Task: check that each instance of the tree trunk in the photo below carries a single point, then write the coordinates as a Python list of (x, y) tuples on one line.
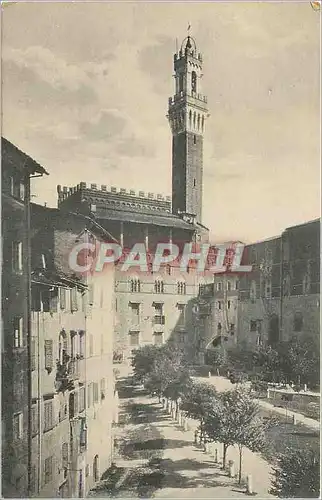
[(240, 463), (224, 456)]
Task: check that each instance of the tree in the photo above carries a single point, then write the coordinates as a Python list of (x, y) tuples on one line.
[(198, 401), (143, 361), (217, 358), (297, 475), (236, 421)]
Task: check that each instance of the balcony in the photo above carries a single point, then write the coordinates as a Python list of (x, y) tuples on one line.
[(67, 371), (73, 369), (158, 320)]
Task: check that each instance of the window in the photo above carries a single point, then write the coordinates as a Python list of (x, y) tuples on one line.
[(18, 332), (82, 344), (17, 426), (193, 81), (64, 455), (135, 313), (219, 286), (48, 469), (62, 298), (102, 388), (17, 256), (159, 286), (219, 328), (181, 82), (232, 329), (34, 420), (82, 399), (73, 300), (168, 269), (228, 304), (219, 304), (298, 322), (228, 286), (182, 310), (195, 142), (134, 338), (89, 395), (95, 392), (22, 191), (181, 288), (236, 285), (48, 415), (48, 355), (194, 183), (159, 318), (253, 326), (135, 285), (158, 338)]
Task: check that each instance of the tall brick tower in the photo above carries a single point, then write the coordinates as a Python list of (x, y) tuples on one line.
[(187, 115)]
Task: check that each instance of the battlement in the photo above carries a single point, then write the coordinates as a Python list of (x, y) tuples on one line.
[(65, 192)]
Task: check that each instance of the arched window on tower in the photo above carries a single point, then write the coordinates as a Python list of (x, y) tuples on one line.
[(194, 120), (193, 82), (181, 83), (190, 118)]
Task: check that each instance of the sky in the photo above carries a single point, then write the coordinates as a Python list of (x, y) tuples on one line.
[(86, 87)]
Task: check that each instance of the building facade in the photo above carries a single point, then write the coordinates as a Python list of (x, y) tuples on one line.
[(72, 369), (17, 170), (280, 297)]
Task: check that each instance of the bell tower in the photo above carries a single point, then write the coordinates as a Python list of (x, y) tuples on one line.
[(187, 115)]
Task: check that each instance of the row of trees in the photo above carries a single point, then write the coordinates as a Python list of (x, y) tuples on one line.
[(296, 360), (231, 418)]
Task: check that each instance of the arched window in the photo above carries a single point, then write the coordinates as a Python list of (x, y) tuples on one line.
[(198, 122), (95, 468), (190, 118), (194, 120), (181, 83), (202, 123), (193, 82), (228, 286), (135, 285), (181, 288), (159, 286)]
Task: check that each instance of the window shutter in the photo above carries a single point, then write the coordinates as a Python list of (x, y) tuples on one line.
[(53, 300), (75, 403), (73, 298), (64, 452), (48, 354), (62, 298)]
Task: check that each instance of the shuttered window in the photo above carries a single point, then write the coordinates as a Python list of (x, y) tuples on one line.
[(48, 472), (62, 298), (48, 354), (82, 399), (64, 455), (48, 415), (73, 300)]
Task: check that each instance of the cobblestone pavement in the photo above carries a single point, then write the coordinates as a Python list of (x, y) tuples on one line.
[(157, 458)]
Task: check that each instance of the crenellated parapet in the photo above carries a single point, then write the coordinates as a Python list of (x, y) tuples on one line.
[(118, 198)]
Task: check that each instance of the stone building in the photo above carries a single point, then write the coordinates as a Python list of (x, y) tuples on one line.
[(280, 297), (17, 170), (150, 307), (72, 372)]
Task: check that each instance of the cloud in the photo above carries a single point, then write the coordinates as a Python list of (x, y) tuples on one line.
[(108, 125), (43, 76)]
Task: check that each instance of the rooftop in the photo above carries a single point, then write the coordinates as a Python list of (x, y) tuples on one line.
[(8, 150)]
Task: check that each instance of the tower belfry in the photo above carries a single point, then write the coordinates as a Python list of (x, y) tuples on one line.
[(187, 115)]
